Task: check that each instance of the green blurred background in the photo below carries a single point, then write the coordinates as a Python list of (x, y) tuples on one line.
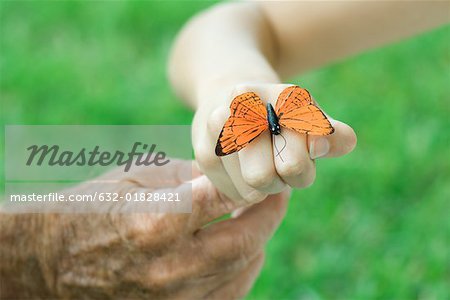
[(375, 225)]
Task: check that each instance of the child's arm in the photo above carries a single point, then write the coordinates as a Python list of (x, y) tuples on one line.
[(238, 47), (311, 34)]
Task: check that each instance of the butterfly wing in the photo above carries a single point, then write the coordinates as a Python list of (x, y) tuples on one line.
[(247, 121), (296, 111)]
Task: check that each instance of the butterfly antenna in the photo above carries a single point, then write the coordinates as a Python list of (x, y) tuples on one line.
[(279, 151)]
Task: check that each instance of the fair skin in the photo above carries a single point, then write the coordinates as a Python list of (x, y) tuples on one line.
[(240, 47), (227, 50), (139, 255)]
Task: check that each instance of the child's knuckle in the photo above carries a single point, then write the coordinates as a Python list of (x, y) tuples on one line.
[(292, 167), (214, 122), (307, 180), (205, 159), (258, 179)]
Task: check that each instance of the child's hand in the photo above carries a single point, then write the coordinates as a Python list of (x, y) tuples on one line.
[(255, 171)]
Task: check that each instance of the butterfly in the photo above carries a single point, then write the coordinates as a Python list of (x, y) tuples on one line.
[(249, 118)]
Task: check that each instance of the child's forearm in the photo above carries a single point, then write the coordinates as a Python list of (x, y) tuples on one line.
[(226, 45), (260, 42), (311, 34)]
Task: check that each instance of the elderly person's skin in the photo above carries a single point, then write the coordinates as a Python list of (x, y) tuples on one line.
[(238, 47), (139, 255)]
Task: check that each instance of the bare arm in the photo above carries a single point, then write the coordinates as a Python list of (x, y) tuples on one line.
[(265, 41), (226, 45), (234, 48), (311, 34)]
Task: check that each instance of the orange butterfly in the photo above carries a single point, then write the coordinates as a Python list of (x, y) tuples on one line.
[(249, 118)]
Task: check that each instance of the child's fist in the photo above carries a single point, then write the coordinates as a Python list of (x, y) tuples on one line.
[(255, 171)]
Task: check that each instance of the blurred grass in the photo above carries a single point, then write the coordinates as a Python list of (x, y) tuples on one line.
[(375, 225)]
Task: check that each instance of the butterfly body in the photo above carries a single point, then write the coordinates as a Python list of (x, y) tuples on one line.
[(249, 118), (272, 119)]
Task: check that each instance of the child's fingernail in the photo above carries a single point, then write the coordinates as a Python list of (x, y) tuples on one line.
[(319, 147)]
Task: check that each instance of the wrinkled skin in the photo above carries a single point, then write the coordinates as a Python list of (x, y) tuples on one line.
[(140, 255)]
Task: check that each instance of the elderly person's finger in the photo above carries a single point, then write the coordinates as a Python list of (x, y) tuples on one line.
[(232, 244), (237, 287), (170, 175), (229, 240), (208, 204)]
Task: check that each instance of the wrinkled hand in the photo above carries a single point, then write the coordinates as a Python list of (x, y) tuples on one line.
[(151, 256), (254, 172)]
